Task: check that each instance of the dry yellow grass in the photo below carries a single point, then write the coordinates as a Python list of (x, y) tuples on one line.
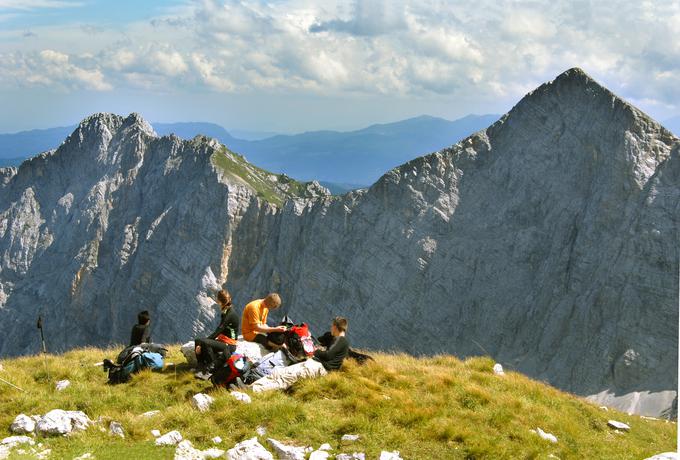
[(427, 408)]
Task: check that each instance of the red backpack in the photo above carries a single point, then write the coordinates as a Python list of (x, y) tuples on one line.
[(236, 366), (299, 341)]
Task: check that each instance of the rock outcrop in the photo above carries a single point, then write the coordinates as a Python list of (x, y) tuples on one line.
[(548, 240)]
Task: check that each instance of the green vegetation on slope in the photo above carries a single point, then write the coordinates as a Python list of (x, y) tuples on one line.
[(274, 188), (434, 408)]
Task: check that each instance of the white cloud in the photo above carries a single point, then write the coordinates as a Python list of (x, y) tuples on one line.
[(52, 69), (414, 48)]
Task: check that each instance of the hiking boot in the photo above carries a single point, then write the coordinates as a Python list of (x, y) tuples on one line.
[(203, 375)]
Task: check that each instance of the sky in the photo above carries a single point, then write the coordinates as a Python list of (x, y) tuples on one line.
[(299, 65)]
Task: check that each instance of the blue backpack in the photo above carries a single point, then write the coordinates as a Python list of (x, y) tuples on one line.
[(132, 360)]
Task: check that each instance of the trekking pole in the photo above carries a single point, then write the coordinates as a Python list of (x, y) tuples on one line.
[(44, 348), (12, 385)]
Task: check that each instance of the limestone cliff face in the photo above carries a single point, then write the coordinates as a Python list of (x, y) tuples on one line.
[(549, 240)]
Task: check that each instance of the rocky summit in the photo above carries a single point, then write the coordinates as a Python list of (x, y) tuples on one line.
[(548, 241)]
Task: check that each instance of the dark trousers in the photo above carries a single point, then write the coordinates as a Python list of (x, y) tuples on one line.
[(210, 348), (271, 341)]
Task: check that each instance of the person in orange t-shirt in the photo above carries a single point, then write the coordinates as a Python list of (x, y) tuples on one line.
[(254, 322)]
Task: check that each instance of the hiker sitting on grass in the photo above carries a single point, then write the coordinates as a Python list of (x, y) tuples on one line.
[(141, 332), (222, 340), (322, 362), (254, 323)]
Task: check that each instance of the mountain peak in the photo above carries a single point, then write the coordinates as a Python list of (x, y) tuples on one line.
[(112, 122)]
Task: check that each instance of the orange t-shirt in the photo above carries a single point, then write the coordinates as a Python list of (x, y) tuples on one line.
[(255, 313)]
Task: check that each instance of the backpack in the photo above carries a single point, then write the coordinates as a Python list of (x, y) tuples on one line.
[(149, 360), (299, 341), (144, 347), (235, 366), (130, 361), (265, 367)]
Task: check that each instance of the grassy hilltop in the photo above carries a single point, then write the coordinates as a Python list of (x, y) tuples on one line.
[(427, 408)]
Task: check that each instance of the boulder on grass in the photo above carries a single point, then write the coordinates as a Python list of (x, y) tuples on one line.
[(249, 449)]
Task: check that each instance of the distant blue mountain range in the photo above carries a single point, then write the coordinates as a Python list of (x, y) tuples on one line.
[(341, 160)]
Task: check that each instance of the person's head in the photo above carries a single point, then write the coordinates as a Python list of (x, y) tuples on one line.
[(143, 317), (272, 301), (339, 325), (224, 299)]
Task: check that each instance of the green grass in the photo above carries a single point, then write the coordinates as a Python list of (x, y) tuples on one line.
[(427, 408), (260, 180)]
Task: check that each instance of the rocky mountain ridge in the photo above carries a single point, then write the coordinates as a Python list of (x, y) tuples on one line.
[(548, 240)]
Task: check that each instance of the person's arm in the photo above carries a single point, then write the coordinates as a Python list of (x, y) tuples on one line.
[(339, 347), (264, 329), (146, 336), (217, 330)]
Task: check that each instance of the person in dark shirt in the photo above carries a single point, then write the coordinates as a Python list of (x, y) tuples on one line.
[(141, 332), (222, 340), (322, 362), (337, 346)]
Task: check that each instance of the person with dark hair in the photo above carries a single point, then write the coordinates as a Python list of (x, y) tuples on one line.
[(222, 340), (322, 362), (141, 332), (336, 348)]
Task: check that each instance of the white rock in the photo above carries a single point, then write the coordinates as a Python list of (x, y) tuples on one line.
[(385, 455), (618, 425), (202, 401), (84, 456), (45, 454), (665, 456), (261, 431), (151, 413), (240, 396), (249, 449), (547, 436), (186, 451), (169, 439), (213, 452), (284, 452), (155, 433), (116, 429), (350, 437), (325, 446), (189, 352), (4, 452), (62, 385), (217, 440), (319, 455), (14, 441), (353, 456), (209, 281), (498, 369), (22, 424), (60, 422)]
